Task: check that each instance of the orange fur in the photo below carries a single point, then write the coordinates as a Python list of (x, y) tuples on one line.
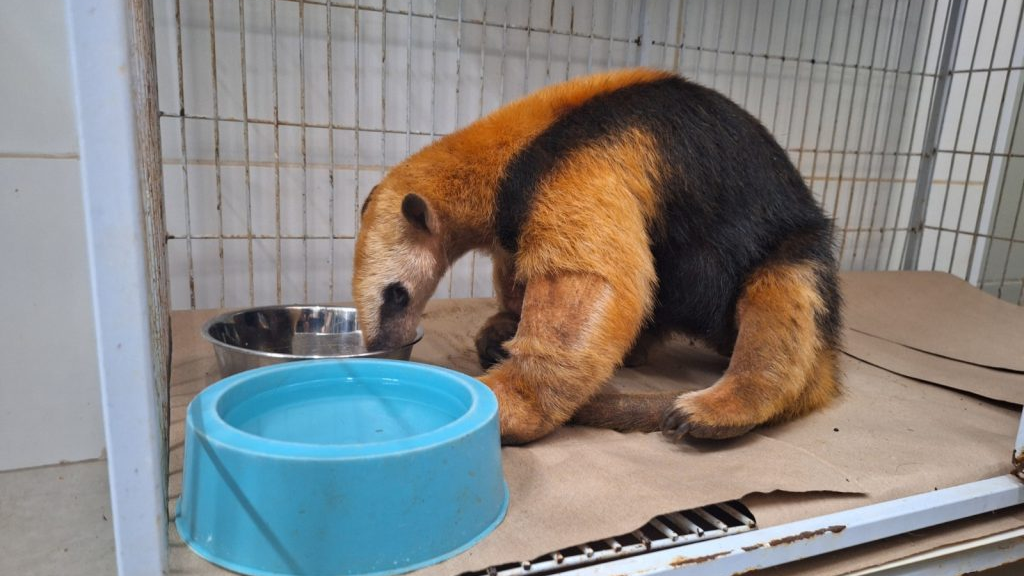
[(565, 252), (780, 368), (459, 174), (572, 336)]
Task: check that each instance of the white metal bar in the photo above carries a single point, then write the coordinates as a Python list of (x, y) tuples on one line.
[(640, 55), (277, 150), (668, 27), (668, 532), (777, 545), (356, 63), (482, 79), (859, 152), (685, 522), (590, 41), (926, 170), (956, 138), (885, 144), (304, 149), (1015, 211), (735, 51), (248, 155), (1002, 139), (611, 29), (1018, 448), (331, 153), (956, 559), (214, 89), (184, 156), (910, 142), (550, 35), (790, 139), (677, 60), (739, 516), (710, 519), (778, 91), (824, 90), (750, 60), (849, 113), (114, 236)]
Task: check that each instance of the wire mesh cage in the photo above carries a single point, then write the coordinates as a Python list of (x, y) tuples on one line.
[(278, 116)]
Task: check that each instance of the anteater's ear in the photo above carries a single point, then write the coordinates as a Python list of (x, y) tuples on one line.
[(418, 212)]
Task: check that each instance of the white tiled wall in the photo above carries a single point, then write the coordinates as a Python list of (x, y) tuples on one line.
[(49, 388)]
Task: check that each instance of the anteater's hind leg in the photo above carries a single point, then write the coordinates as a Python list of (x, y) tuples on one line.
[(783, 363)]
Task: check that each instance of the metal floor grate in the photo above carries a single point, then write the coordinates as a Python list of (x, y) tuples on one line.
[(666, 531)]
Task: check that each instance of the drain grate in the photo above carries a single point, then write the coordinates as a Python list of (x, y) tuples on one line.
[(665, 531)]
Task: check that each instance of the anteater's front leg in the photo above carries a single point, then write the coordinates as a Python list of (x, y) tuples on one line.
[(575, 330), (500, 328)]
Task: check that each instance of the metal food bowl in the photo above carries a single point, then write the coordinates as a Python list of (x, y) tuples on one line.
[(255, 337)]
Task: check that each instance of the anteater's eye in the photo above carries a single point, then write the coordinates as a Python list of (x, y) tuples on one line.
[(396, 297)]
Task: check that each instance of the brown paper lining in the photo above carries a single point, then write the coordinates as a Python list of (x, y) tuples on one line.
[(1001, 385), (887, 437), (936, 313)]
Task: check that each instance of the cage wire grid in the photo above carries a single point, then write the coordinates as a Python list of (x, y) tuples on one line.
[(278, 116)]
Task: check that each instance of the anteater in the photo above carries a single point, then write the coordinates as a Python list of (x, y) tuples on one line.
[(617, 208)]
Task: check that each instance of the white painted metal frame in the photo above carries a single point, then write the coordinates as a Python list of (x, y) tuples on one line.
[(956, 559), (101, 64), (823, 534), (806, 538)]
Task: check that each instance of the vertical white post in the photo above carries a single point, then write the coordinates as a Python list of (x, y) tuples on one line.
[(111, 178), (933, 132), (1018, 449)]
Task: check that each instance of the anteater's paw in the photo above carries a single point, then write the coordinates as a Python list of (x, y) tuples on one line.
[(692, 417), (520, 419), (518, 428), (490, 341)]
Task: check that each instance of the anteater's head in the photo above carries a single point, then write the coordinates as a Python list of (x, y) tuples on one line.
[(399, 260)]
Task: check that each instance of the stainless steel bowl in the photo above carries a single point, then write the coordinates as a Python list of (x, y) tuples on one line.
[(256, 337)]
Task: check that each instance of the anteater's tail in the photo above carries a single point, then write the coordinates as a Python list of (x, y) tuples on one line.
[(637, 412)]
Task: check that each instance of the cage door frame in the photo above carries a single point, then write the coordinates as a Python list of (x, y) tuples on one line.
[(113, 188)]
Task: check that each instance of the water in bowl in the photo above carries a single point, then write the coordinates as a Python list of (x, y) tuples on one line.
[(344, 412)]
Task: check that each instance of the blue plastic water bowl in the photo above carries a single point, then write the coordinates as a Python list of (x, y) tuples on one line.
[(340, 467)]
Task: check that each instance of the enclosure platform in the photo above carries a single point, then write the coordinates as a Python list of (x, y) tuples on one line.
[(889, 436)]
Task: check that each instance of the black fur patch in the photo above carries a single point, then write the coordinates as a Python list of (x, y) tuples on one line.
[(366, 202), (395, 300), (731, 200)]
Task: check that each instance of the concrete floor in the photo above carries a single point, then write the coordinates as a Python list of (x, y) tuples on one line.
[(54, 521)]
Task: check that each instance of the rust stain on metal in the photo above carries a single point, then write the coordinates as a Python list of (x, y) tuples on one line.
[(754, 547), (1018, 464), (683, 560), (806, 535)]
